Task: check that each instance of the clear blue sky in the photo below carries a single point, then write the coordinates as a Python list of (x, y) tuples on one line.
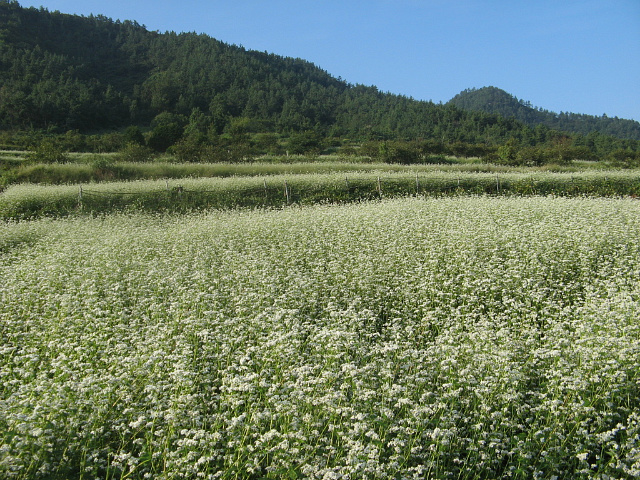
[(579, 56)]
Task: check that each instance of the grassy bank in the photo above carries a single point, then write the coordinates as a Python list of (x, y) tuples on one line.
[(85, 168), (28, 201)]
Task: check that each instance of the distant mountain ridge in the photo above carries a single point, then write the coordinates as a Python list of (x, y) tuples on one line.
[(496, 101)]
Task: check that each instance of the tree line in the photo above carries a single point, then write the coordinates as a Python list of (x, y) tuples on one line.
[(97, 84)]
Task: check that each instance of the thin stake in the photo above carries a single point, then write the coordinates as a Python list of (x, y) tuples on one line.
[(264, 181), (286, 191), (379, 188), (417, 184), (497, 183)]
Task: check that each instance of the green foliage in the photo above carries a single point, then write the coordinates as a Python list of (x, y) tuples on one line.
[(191, 149), (168, 128), (560, 152), (624, 158), (164, 135), (72, 141), (55, 174), (508, 153), (135, 152), (305, 143), (395, 152), (531, 157), (267, 143), (186, 85), (47, 152), (105, 168), (133, 135), (166, 118), (496, 101)]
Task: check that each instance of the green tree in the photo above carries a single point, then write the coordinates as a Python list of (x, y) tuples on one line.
[(133, 135), (167, 130), (135, 152), (197, 126), (47, 152), (508, 152), (531, 156), (267, 143), (163, 136), (624, 158), (189, 149), (398, 152), (305, 143)]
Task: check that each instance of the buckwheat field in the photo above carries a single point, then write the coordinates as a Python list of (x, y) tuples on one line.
[(463, 337)]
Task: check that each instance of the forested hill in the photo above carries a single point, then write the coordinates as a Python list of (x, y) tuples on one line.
[(495, 100), (92, 72), (62, 73)]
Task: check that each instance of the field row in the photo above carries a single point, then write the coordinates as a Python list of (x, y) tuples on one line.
[(83, 168), (30, 201), (484, 337)]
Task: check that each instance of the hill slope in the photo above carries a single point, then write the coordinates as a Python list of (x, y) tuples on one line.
[(61, 72), (497, 101), (91, 72)]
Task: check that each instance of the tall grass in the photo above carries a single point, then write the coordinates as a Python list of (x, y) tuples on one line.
[(106, 167), (27, 201), (467, 338), (88, 172), (109, 171)]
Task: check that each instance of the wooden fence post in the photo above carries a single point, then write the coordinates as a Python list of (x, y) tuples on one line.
[(286, 192), (379, 188)]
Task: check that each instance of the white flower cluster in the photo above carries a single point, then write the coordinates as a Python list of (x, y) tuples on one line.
[(414, 338)]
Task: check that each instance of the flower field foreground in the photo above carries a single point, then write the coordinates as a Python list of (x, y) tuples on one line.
[(462, 337)]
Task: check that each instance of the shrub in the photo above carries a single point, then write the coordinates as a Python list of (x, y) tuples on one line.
[(531, 156), (624, 158), (395, 152), (308, 142), (135, 152), (133, 135), (165, 135), (188, 150), (47, 152)]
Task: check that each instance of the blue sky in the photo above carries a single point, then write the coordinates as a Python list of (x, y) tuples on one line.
[(579, 56)]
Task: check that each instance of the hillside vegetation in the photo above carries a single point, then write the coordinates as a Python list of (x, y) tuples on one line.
[(497, 101), (95, 84)]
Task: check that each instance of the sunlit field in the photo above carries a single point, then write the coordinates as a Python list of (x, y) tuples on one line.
[(27, 201), (456, 337)]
